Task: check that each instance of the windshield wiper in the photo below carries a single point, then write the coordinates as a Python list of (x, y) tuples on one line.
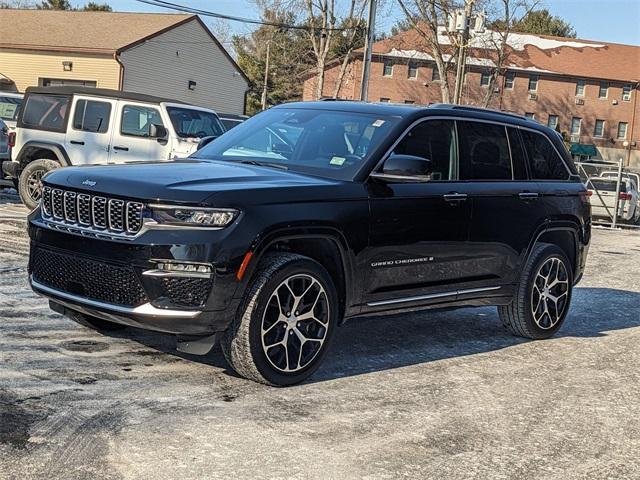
[(264, 164)]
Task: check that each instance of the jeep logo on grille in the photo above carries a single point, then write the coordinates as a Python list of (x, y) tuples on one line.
[(89, 183)]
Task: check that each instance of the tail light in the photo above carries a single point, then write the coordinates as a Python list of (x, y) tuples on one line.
[(11, 141), (624, 196)]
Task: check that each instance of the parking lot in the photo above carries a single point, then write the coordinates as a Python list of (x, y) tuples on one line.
[(422, 395)]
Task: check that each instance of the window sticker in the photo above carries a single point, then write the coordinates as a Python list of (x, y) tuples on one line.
[(378, 123), (337, 161)]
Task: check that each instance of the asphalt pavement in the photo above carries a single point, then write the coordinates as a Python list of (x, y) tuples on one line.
[(442, 395)]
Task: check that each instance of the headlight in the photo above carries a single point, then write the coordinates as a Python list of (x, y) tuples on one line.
[(192, 216)]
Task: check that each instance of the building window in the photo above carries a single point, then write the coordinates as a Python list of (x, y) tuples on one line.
[(412, 70), (409, 102), (552, 121), (484, 79), (604, 90), (622, 130), (387, 67), (575, 125), (580, 84), (533, 83), (58, 82), (435, 74), (598, 130), (626, 93), (530, 115), (384, 100), (509, 80)]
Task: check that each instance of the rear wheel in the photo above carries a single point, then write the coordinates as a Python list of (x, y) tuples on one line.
[(286, 323), (30, 181), (541, 302)]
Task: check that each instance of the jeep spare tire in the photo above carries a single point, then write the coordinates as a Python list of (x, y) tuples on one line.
[(30, 181)]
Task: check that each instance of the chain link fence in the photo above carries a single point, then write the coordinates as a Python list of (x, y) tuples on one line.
[(614, 193)]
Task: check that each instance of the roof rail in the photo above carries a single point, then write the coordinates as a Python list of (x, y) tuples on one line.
[(472, 108)]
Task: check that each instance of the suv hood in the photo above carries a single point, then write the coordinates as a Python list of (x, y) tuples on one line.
[(189, 181)]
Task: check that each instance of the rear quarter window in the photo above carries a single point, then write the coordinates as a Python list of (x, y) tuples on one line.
[(544, 161), (46, 112)]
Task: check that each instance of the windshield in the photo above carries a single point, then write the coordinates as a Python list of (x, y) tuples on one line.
[(190, 123), (9, 107), (334, 144)]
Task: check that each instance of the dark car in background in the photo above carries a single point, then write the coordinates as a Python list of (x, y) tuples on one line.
[(308, 214)]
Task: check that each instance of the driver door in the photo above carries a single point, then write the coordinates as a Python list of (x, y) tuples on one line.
[(418, 230)]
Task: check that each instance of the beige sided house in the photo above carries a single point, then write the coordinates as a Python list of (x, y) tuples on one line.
[(166, 55)]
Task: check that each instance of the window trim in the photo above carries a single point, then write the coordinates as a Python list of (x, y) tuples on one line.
[(579, 132), (626, 130), (595, 127), (455, 118), (415, 68), (628, 99), (139, 106), (384, 66), (584, 88), (513, 80), (557, 117), (607, 90), (75, 106), (485, 74), (531, 76), (435, 73)]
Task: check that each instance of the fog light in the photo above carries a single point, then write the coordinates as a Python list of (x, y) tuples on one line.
[(164, 268)]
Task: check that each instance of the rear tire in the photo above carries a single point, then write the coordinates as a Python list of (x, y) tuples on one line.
[(30, 181), (543, 295), (286, 322)]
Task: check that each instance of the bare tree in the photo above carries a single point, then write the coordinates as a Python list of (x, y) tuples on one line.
[(354, 22), (430, 18)]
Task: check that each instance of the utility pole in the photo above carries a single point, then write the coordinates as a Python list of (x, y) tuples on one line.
[(463, 37), (368, 48), (266, 77)]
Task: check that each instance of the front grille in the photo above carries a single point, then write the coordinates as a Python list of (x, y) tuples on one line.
[(93, 212), (185, 292), (88, 278)]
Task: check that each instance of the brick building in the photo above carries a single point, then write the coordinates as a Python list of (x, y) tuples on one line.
[(586, 89)]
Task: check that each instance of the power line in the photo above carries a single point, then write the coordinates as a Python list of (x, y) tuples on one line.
[(207, 13)]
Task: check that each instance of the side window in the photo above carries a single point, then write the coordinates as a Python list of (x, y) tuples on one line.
[(518, 158), (46, 112), (484, 151), (434, 140), (544, 161), (137, 120), (91, 116)]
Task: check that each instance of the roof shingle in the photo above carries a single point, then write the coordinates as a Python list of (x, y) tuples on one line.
[(104, 32)]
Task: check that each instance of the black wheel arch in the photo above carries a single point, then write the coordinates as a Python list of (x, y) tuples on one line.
[(34, 150), (326, 245), (564, 234)]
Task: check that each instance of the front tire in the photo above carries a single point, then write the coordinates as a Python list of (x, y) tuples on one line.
[(286, 322), (543, 295), (30, 181)]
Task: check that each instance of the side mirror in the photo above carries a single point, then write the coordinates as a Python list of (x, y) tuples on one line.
[(157, 131), (408, 168), (204, 141)]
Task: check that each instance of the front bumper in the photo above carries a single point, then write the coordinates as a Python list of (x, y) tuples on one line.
[(110, 280)]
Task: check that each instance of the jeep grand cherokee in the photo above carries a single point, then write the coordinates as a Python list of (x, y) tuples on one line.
[(308, 214)]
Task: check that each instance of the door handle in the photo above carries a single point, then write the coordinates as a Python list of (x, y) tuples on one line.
[(454, 197), (124, 149), (76, 142), (528, 195)]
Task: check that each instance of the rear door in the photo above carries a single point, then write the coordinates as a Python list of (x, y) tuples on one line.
[(507, 209), (131, 140), (88, 135)]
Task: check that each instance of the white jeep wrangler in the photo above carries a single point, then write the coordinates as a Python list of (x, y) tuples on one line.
[(61, 126)]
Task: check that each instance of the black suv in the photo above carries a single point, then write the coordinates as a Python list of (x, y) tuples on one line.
[(311, 213)]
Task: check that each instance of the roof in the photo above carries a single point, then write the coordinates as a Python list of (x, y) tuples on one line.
[(77, 31), (532, 53), (414, 111), (100, 92)]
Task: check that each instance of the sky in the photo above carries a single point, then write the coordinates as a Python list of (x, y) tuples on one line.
[(616, 21)]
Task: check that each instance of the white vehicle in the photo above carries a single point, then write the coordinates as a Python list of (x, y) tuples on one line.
[(9, 107), (61, 126), (634, 177), (602, 191)]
